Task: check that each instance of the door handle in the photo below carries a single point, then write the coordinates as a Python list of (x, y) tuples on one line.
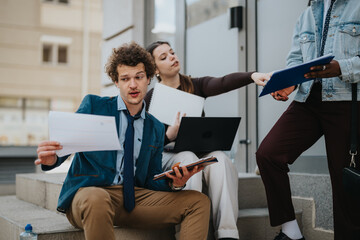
[(245, 141)]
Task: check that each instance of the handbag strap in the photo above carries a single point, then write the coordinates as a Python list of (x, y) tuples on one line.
[(354, 124)]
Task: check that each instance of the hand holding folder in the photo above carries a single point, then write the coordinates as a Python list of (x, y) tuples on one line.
[(201, 162), (292, 76)]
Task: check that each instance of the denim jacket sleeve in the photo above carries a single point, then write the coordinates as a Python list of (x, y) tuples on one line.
[(348, 39), (295, 55), (350, 69)]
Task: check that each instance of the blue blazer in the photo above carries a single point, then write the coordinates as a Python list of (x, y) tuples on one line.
[(98, 168)]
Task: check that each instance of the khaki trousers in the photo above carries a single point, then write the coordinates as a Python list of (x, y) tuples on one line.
[(97, 209)]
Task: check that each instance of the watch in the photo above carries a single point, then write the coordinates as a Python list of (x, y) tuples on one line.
[(176, 188)]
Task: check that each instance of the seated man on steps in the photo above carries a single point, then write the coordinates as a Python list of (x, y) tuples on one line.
[(115, 188)]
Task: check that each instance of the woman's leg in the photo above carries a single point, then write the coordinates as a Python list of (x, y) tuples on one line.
[(221, 179)]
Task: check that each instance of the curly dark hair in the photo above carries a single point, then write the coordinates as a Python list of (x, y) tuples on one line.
[(129, 55)]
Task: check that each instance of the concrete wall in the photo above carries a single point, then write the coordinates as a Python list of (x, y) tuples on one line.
[(123, 22), (23, 25), (29, 88), (276, 21)]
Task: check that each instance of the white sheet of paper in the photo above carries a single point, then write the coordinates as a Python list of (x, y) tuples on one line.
[(166, 102), (78, 132)]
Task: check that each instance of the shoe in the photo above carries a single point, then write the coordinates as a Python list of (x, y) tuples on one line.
[(282, 236), (228, 239)]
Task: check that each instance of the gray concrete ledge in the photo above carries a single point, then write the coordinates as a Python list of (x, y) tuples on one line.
[(318, 187), (49, 225)]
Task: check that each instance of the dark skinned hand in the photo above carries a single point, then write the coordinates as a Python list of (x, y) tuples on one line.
[(321, 71), (324, 71), (282, 95)]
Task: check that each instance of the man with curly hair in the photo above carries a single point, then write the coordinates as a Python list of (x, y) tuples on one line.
[(116, 188)]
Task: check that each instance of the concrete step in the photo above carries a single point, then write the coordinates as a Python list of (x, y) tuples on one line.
[(43, 189), (15, 214), (251, 191), (50, 225), (254, 223), (310, 231)]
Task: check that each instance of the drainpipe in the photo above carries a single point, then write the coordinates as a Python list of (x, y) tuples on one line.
[(85, 55)]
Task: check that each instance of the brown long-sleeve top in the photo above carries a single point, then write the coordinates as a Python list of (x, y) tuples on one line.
[(211, 86)]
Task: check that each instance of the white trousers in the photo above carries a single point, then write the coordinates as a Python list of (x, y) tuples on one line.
[(221, 180)]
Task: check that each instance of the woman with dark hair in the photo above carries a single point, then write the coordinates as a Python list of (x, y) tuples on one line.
[(221, 178)]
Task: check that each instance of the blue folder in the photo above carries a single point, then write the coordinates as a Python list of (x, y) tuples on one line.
[(292, 76)]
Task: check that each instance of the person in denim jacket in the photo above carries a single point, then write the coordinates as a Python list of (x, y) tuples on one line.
[(322, 107)]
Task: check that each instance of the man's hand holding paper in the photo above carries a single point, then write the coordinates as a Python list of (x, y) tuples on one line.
[(80, 133), (47, 153)]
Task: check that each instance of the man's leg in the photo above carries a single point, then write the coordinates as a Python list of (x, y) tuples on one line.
[(221, 179), (336, 122), (194, 183), (296, 130), (92, 211), (156, 209)]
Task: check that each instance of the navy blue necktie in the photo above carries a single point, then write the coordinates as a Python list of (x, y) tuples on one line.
[(324, 35), (129, 195)]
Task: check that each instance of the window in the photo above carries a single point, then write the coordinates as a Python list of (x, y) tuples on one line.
[(55, 50), (162, 25), (165, 20), (62, 54), (47, 55)]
